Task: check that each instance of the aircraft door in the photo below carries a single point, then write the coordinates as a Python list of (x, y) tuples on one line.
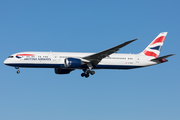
[(137, 60), (55, 58)]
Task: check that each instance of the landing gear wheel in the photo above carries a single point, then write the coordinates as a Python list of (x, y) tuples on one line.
[(83, 74), (88, 72), (18, 72), (86, 75), (92, 72)]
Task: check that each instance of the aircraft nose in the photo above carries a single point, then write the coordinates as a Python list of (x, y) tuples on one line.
[(5, 62)]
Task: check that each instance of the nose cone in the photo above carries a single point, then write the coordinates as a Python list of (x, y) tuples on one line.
[(5, 62)]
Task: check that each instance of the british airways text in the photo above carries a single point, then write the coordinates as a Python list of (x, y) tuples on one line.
[(46, 59)]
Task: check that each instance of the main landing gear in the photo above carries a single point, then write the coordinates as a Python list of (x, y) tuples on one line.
[(87, 72), (18, 71)]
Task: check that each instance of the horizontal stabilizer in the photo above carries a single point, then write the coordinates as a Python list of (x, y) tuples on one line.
[(162, 59)]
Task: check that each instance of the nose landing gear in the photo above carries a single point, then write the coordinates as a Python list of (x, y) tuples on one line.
[(18, 71)]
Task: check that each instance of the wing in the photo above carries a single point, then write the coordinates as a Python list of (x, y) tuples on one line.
[(94, 59)]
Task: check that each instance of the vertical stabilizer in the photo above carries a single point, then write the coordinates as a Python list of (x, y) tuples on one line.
[(154, 48)]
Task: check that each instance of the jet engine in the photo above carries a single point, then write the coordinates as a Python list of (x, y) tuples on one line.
[(72, 63), (62, 71)]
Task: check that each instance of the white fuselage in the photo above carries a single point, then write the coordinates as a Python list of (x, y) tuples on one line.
[(65, 62), (56, 60)]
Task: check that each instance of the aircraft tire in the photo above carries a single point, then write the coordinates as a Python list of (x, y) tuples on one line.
[(92, 72), (18, 72), (83, 74), (86, 75)]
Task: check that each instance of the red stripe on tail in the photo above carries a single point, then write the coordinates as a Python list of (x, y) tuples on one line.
[(159, 39), (148, 53)]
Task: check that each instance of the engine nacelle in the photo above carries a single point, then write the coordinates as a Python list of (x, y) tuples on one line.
[(62, 71), (72, 63)]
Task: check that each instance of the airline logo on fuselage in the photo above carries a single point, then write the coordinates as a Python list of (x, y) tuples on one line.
[(22, 55), (30, 57)]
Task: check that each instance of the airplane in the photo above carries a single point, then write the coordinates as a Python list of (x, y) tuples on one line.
[(66, 62)]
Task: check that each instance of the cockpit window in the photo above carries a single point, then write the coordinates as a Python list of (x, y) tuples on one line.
[(10, 57)]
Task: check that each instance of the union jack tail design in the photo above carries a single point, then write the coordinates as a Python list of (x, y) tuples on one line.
[(154, 48)]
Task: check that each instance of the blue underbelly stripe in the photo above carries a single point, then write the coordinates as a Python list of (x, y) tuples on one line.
[(62, 66)]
